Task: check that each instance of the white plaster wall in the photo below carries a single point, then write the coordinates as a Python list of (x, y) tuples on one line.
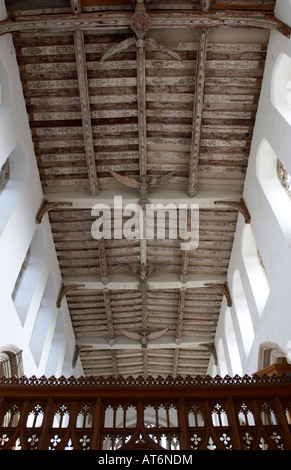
[(17, 231), (273, 322)]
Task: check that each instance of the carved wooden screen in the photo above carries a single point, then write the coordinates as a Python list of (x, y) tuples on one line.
[(194, 414)]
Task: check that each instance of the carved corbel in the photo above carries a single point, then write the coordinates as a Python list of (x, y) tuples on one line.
[(224, 289), (211, 348), (64, 290), (46, 207), (76, 355), (240, 206)]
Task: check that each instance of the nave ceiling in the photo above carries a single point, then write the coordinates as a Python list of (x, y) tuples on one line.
[(166, 95)]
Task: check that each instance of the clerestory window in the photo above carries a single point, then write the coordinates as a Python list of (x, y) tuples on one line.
[(284, 178), (4, 175)]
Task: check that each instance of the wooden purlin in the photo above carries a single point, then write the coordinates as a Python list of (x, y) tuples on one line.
[(85, 110), (197, 112)]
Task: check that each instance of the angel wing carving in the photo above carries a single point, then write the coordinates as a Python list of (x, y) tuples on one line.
[(126, 180), (140, 24), (131, 334), (157, 181), (151, 269), (143, 270), (144, 337), (142, 187), (121, 46), (157, 334)]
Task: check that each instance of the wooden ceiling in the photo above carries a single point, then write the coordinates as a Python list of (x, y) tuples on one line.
[(161, 90)]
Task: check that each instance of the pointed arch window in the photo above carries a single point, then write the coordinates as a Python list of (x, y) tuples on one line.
[(284, 177), (281, 86), (255, 268), (11, 364), (4, 175), (13, 177), (275, 182), (243, 318)]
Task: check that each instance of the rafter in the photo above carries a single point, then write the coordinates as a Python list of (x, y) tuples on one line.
[(197, 112), (85, 110)]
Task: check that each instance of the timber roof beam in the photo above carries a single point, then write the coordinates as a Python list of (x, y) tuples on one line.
[(104, 20)]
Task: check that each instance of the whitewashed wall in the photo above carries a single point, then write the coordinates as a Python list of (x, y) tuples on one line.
[(260, 314), (31, 322)]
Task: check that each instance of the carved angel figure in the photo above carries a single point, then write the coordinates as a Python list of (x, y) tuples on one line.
[(144, 337), (143, 187), (143, 270), (140, 24)]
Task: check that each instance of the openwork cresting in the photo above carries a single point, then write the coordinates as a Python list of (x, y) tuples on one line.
[(154, 413)]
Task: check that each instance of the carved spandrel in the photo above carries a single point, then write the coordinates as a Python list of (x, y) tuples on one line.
[(224, 289), (212, 349), (64, 290), (240, 206)]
